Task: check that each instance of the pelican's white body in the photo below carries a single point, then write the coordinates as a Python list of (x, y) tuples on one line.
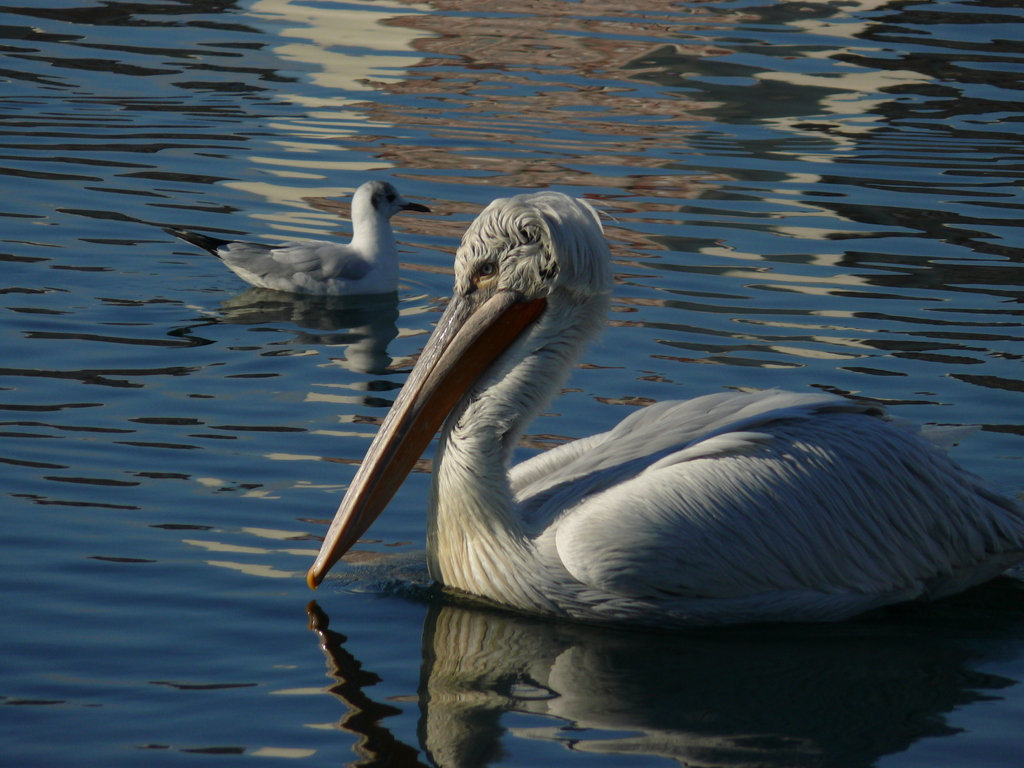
[(724, 509), (729, 508)]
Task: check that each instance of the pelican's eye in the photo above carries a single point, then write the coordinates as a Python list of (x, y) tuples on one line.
[(485, 273)]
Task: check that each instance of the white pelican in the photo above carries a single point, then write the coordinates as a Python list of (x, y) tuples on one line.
[(728, 508), (368, 264)]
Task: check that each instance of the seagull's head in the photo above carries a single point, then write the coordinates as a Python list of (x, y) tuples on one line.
[(380, 198)]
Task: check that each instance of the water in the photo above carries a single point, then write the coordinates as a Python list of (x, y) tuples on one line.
[(816, 196)]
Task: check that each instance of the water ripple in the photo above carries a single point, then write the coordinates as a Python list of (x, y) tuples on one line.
[(816, 196)]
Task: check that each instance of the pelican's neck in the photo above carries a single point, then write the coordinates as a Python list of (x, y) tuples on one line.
[(475, 536)]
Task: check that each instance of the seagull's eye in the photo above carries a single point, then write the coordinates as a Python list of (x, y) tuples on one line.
[(391, 198)]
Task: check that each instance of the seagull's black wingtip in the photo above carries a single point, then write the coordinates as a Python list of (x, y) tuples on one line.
[(210, 244)]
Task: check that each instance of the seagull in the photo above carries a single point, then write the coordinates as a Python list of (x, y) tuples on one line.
[(368, 264), (729, 508)]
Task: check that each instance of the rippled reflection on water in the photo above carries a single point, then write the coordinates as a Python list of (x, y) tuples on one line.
[(750, 697), (805, 195)]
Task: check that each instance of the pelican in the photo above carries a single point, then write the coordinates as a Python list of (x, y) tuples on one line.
[(368, 264), (729, 508)]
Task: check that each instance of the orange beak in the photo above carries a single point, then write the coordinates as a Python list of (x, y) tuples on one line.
[(468, 338)]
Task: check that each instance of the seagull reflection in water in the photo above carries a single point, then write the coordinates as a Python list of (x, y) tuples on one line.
[(370, 322), (770, 695)]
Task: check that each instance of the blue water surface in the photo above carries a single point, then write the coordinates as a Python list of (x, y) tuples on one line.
[(818, 196)]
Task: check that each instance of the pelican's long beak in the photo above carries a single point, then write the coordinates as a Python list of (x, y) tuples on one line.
[(466, 341)]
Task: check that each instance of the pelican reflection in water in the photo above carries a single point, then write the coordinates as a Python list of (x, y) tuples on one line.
[(810, 695), (730, 508)]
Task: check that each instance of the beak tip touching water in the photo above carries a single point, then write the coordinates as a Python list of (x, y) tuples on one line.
[(313, 578)]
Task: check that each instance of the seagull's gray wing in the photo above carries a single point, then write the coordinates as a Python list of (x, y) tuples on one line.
[(318, 259)]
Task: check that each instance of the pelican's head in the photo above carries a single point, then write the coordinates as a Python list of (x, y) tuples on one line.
[(532, 261), (534, 244), (380, 198)]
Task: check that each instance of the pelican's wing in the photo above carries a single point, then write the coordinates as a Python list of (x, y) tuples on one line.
[(558, 479), (810, 497)]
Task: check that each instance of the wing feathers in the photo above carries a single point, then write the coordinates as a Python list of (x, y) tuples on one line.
[(548, 483), (852, 504)]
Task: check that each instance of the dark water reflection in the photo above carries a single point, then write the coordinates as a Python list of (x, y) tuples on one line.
[(769, 696), (809, 195)]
